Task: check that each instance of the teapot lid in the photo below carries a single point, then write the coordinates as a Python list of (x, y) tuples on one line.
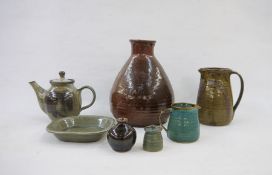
[(62, 79)]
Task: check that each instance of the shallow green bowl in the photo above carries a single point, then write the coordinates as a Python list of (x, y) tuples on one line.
[(83, 128)]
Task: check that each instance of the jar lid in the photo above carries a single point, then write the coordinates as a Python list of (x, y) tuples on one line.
[(153, 128), (122, 120), (62, 79)]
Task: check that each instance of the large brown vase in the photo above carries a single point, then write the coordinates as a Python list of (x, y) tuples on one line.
[(215, 96), (142, 89)]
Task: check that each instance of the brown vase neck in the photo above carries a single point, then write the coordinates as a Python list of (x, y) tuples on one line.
[(142, 47)]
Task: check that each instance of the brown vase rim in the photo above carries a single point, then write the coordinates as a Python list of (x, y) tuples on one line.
[(142, 41), (191, 107), (215, 69)]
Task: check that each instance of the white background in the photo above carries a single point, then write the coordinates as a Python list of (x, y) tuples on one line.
[(89, 40)]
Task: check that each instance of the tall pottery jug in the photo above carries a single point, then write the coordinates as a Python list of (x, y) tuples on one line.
[(215, 96), (142, 89)]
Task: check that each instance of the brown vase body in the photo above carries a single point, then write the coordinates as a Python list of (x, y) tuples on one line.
[(142, 89), (215, 96)]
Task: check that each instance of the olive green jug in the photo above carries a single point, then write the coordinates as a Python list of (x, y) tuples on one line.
[(215, 96)]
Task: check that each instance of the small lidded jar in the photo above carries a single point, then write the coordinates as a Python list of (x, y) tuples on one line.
[(122, 136), (153, 141)]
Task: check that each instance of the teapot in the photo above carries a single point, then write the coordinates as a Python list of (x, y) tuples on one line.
[(62, 99)]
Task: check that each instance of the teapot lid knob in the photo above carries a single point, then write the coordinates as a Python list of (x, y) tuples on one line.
[(62, 79), (62, 74)]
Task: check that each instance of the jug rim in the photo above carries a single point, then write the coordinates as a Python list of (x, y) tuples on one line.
[(184, 106), (222, 69)]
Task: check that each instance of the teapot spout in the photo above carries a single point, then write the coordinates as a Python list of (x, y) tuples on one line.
[(40, 93)]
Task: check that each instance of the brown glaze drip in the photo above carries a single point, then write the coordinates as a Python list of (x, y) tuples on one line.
[(142, 88)]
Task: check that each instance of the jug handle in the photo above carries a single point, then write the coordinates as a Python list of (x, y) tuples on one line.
[(94, 96), (241, 90), (163, 111)]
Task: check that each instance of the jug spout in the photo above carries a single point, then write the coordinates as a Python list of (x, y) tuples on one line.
[(40, 93)]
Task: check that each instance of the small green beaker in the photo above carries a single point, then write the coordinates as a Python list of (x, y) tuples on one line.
[(153, 139)]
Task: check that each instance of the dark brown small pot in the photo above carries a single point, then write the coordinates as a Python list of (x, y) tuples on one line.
[(122, 136)]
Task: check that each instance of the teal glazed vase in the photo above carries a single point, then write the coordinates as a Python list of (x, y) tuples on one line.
[(153, 141), (183, 125)]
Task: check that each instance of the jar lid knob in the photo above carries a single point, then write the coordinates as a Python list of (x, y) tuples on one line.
[(122, 120), (62, 74)]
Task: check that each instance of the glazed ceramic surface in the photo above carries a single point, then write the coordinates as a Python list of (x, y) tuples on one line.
[(183, 125), (215, 96), (122, 136), (62, 99), (85, 128), (142, 88), (153, 141)]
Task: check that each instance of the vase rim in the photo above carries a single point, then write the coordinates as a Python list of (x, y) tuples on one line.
[(142, 41)]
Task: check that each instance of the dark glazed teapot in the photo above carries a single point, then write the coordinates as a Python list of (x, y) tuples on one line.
[(62, 99)]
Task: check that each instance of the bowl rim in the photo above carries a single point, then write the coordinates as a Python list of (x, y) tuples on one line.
[(51, 129)]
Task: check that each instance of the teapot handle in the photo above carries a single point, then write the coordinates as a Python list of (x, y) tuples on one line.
[(162, 112), (241, 90), (94, 96)]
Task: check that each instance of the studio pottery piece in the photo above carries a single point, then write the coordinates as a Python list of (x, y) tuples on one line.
[(215, 96), (122, 136), (142, 88), (153, 141), (62, 99), (183, 125), (84, 128)]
